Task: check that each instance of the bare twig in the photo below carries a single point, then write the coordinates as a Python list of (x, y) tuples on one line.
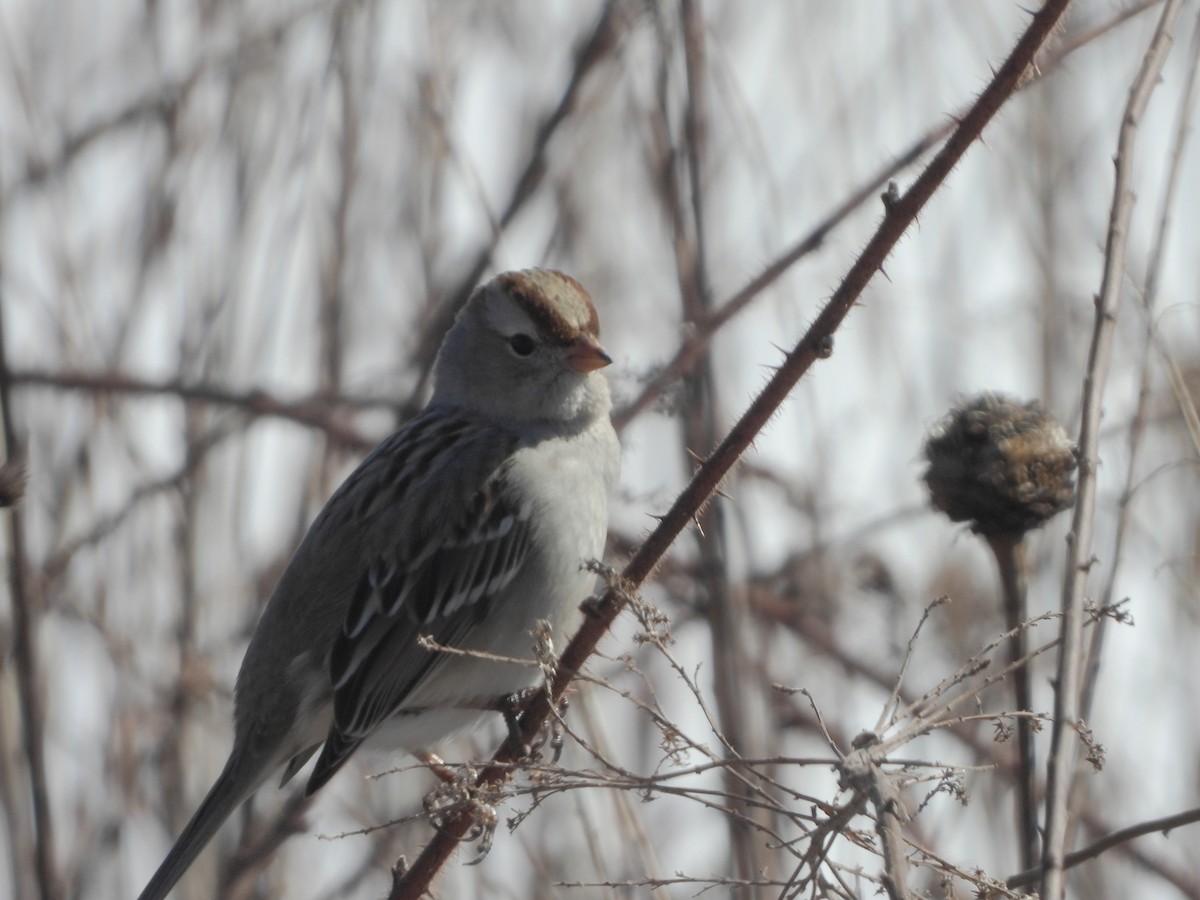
[(887, 714), (316, 412), (1066, 700), (631, 824), (1153, 339), (984, 747), (1163, 825), (862, 771)]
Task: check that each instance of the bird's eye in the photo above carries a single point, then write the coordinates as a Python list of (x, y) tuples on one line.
[(522, 344)]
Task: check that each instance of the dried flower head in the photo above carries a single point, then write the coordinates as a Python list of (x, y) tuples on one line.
[(1004, 466)]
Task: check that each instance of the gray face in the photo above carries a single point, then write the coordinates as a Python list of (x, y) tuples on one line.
[(511, 346)]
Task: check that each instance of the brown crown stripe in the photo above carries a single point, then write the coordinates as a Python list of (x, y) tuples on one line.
[(557, 303)]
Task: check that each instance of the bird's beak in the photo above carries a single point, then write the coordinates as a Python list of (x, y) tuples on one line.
[(586, 355)]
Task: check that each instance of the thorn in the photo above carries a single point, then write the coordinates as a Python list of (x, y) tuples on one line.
[(890, 197), (399, 870)]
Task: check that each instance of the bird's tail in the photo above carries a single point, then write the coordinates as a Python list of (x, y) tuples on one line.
[(226, 795)]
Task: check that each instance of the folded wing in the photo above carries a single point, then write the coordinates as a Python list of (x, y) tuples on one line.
[(449, 554)]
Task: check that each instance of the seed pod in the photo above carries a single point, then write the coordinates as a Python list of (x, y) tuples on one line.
[(1003, 466)]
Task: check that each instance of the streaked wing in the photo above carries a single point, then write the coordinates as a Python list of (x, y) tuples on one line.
[(438, 578)]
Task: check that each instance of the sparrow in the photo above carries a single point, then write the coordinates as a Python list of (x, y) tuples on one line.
[(470, 524)]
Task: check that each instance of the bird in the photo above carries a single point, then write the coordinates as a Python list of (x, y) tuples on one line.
[(472, 522)]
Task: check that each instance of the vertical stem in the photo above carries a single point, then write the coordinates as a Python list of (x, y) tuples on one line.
[(1010, 553), (725, 616), (1140, 420), (1066, 698), (885, 799), (25, 655)]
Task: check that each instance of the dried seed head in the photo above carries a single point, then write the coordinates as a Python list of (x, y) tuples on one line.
[(1003, 466)]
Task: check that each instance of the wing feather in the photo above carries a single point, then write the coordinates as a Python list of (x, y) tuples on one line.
[(436, 575)]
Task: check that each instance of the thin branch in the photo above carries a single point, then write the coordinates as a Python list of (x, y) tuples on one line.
[(197, 452), (162, 104), (817, 635), (1066, 700), (862, 771), (1109, 841), (315, 412), (25, 628), (1010, 553), (701, 334), (683, 195), (1140, 419)]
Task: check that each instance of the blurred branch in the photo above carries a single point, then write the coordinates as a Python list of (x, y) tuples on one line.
[(696, 344), (1012, 562), (591, 52), (1153, 339), (1116, 839), (698, 884), (1079, 558), (198, 449), (162, 104), (315, 412), (631, 825), (680, 169), (900, 213), (25, 628), (258, 847)]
